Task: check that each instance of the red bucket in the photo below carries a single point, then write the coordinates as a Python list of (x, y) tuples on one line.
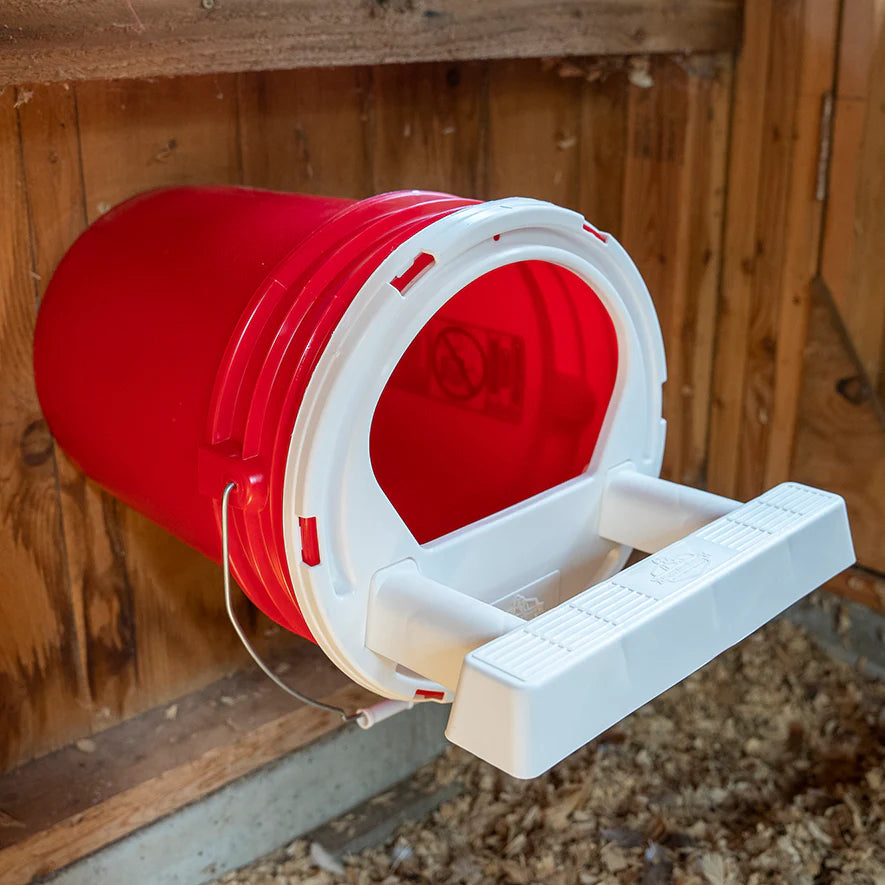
[(179, 335)]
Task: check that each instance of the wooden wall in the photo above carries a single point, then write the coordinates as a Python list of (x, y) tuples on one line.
[(840, 439), (102, 614)]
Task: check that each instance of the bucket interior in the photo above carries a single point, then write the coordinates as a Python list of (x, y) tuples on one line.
[(501, 396)]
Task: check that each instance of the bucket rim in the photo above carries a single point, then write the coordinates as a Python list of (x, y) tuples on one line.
[(329, 475)]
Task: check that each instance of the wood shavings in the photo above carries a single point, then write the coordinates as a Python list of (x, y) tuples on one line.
[(768, 766), (593, 70), (22, 97), (324, 860), (639, 73)]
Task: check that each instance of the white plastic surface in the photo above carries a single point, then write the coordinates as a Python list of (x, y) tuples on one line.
[(450, 617), (428, 627), (370, 716), (647, 513), (532, 696), (527, 558)]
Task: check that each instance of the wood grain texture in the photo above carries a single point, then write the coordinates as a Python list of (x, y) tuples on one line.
[(307, 131), (74, 801), (603, 146), (107, 39), (772, 241), (671, 226), (134, 136), (840, 440), (760, 339), (139, 135), (863, 307), (428, 128), (857, 43), (100, 593), (42, 677), (708, 141), (856, 192), (739, 259), (803, 220), (534, 129)]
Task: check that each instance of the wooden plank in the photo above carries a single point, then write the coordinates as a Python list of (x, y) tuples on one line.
[(428, 128), (863, 309), (740, 249), (862, 27), (861, 23), (708, 138), (42, 681), (760, 339), (603, 142), (72, 802), (655, 220), (51, 155), (306, 131), (772, 241), (534, 134), (672, 223), (108, 39), (803, 220), (175, 635), (840, 442), (51, 162), (138, 135), (102, 599)]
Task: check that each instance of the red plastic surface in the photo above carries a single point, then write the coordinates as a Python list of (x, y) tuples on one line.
[(175, 342), (500, 397), (310, 542), (177, 337)]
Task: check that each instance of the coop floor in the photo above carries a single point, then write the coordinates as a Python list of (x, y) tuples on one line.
[(766, 766)]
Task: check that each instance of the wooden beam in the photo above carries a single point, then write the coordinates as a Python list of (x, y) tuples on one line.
[(852, 259), (866, 293), (63, 806), (43, 690), (672, 228), (840, 440), (772, 238), (142, 38)]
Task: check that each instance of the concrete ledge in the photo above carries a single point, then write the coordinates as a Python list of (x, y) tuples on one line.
[(258, 813)]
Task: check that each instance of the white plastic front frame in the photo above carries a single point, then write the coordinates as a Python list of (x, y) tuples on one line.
[(329, 474)]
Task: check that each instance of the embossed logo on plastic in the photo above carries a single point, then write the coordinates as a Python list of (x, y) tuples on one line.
[(678, 568), (525, 606)]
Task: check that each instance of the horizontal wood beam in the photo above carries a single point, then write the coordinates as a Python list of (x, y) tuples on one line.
[(96, 39), (70, 803)]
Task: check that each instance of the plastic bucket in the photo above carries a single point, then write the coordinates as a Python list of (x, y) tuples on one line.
[(178, 337)]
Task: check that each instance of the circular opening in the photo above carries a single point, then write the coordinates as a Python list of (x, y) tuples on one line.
[(500, 397)]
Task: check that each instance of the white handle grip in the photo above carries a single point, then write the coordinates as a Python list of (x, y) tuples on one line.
[(528, 698)]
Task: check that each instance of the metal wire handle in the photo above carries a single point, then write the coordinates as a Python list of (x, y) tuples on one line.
[(225, 553)]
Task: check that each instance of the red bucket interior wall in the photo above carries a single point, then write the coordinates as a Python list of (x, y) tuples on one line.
[(500, 397)]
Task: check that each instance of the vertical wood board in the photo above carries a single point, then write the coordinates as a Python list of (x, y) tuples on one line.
[(42, 680)]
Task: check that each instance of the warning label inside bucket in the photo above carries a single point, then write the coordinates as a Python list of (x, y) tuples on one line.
[(468, 366)]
